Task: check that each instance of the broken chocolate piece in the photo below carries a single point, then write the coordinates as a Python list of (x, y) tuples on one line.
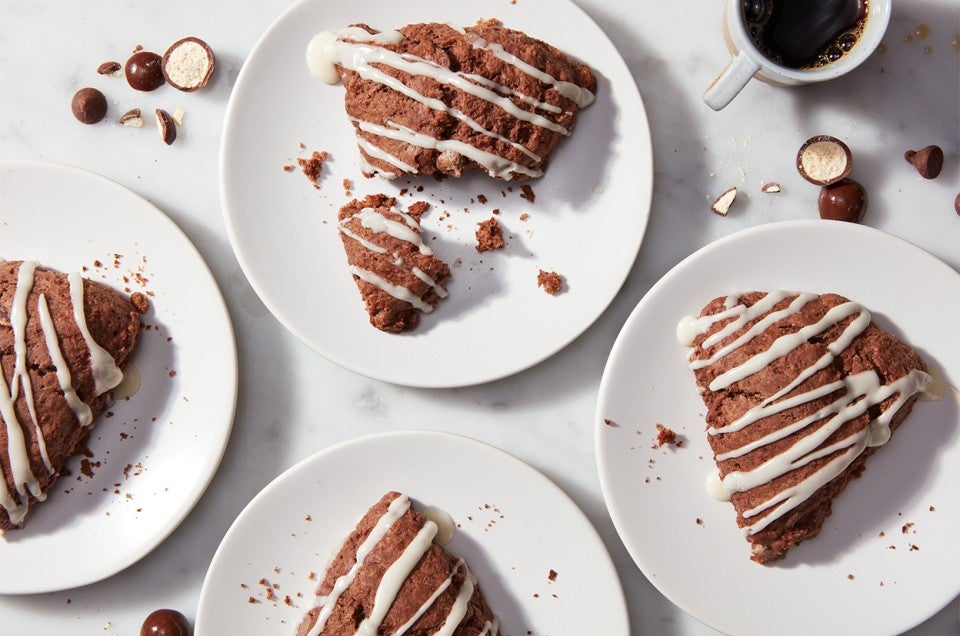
[(188, 64), (823, 160), (723, 202), (132, 118), (166, 126)]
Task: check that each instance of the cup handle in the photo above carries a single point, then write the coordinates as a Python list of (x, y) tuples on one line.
[(731, 81)]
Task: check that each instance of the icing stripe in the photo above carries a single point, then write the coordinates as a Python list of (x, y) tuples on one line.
[(21, 374), (430, 601), (397, 291), (394, 577), (79, 407), (106, 373), (495, 165), (859, 392), (397, 508), (357, 50), (571, 91)]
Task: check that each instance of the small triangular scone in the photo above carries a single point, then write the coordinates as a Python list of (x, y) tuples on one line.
[(64, 342), (435, 99), (391, 577), (396, 272), (800, 390)]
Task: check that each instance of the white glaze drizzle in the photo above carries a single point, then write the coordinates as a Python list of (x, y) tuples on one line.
[(787, 343), (106, 373), (376, 222), (491, 627), (376, 152), (374, 74), (860, 391), (459, 608), (394, 577), (571, 91), (26, 482), (358, 56), (495, 165), (397, 291), (433, 597), (406, 231), (356, 49), (80, 408), (422, 275), (21, 374), (397, 508)]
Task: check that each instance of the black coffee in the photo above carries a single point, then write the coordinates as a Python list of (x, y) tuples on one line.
[(805, 34)]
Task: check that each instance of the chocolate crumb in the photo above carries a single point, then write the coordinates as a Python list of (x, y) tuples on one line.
[(526, 192), (699, 521), (906, 527), (552, 575), (552, 282), (665, 436), (489, 235), (312, 166), (140, 302), (850, 577), (289, 168), (481, 198)]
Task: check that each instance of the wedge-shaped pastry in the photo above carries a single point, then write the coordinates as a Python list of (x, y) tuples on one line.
[(396, 272), (436, 99), (64, 342), (391, 577), (800, 389)]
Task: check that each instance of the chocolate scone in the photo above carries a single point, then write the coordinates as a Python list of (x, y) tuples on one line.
[(800, 391), (64, 342), (391, 577), (396, 272), (435, 99)]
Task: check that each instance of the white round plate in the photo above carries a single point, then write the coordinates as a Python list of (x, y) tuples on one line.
[(868, 572), (514, 527), (154, 453), (586, 223)]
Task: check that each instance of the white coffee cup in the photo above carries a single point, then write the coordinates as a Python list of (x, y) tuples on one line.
[(749, 61)]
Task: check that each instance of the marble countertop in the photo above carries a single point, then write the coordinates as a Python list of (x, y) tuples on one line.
[(907, 95)]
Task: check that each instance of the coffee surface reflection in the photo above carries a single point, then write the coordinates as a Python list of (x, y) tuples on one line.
[(805, 33)]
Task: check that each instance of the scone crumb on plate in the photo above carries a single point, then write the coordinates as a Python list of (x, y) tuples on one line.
[(552, 282), (312, 166), (489, 235)]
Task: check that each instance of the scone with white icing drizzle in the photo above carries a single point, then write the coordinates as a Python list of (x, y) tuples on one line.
[(64, 342), (801, 389), (396, 272), (391, 576), (434, 99)]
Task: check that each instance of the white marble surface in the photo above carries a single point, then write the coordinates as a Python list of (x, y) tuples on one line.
[(293, 402)]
